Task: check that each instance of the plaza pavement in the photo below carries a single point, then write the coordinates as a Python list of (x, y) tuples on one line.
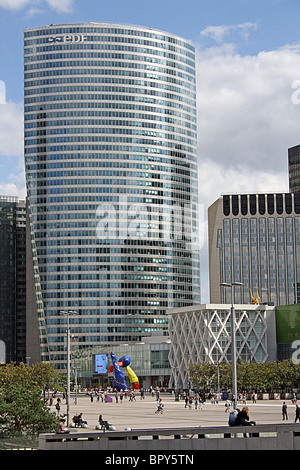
[(140, 414)]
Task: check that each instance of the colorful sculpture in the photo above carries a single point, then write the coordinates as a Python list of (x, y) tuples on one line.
[(119, 379), (254, 300)]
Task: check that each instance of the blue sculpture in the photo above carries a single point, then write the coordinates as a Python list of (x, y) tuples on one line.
[(119, 379)]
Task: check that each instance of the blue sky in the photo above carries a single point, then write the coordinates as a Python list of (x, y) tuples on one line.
[(248, 71)]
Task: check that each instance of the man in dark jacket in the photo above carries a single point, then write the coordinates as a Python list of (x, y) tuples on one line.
[(297, 414), (284, 411)]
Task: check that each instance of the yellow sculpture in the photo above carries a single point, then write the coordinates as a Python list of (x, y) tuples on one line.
[(254, 300)]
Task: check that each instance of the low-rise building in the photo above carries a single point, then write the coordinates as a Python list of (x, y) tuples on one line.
[(202, 333), (149, 361)]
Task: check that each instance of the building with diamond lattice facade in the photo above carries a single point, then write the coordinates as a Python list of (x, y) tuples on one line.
[(202, 333)]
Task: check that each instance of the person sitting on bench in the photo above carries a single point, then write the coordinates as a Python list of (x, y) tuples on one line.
[(81, 421), (78, 421), (75, 420), (61, 428)]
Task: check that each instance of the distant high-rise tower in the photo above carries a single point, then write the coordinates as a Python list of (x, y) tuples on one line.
[(111, 171), (13, 278), (294, 169)]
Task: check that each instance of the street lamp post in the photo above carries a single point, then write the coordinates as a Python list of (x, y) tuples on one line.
[(68, 313), (75, 369), (233, 340)]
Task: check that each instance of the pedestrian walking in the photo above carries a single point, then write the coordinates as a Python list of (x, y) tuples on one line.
[(160, 407), (297, 415), (284, 411), (196, 402), (57, 406), (227, 406)]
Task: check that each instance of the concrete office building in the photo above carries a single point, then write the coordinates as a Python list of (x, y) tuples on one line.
[(255, 239), (111, 172)]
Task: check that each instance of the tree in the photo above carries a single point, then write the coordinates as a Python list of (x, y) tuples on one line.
[(209, 375), (270, 376), (24, 411), (46, 377), (23, 406), (41, 374)]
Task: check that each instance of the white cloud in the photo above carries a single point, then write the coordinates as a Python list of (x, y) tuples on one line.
[(14, 4), (218, 33), (10, 189), (248, 117), (64, 6), (11, 129), (61, 6)]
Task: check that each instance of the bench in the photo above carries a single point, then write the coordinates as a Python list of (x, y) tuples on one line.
[(104, 424)]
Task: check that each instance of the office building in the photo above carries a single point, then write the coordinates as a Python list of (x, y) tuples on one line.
[(255, 239), (111, 172), (12, 279), (149, 361), (202, 333), (294, 169)]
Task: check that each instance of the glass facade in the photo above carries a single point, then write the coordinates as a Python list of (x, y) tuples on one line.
[(13, 278), (111, 172), (149, 361), (294, 169)]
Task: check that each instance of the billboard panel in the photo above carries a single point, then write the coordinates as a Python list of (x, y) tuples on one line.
[(101, 363)]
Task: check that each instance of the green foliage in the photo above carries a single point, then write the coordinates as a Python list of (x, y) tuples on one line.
[(23, 411), (271, 376), (42, 374), (23, 407)]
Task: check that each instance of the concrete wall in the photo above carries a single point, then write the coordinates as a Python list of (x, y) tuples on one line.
[(268, 437)]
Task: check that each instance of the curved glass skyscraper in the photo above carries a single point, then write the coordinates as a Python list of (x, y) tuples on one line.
[(111, 171)]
